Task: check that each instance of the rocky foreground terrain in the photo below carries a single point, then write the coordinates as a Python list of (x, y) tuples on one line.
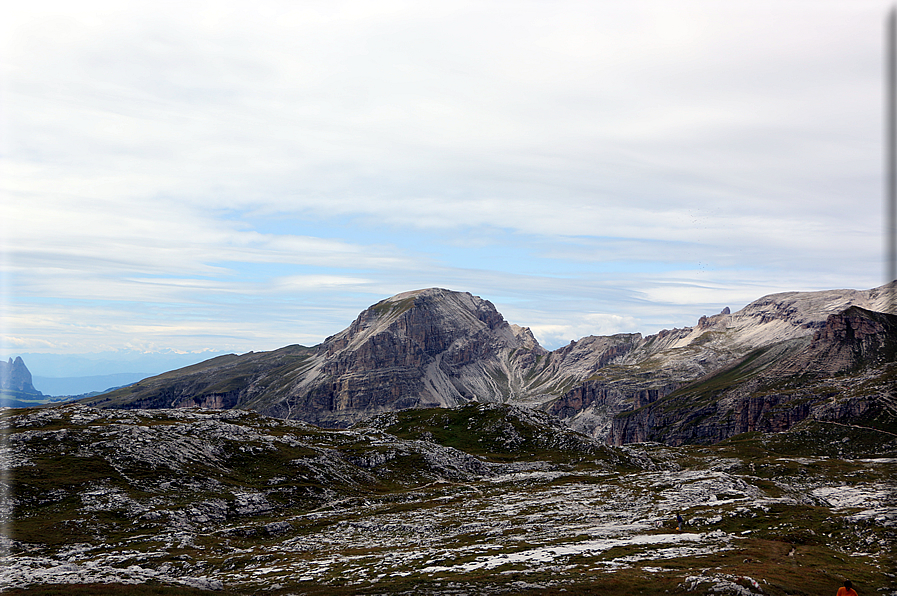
[(782, 359), (478, 499)]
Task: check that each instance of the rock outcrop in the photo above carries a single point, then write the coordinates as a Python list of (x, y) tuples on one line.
[(15, 381), (845, 371), (766, 330)]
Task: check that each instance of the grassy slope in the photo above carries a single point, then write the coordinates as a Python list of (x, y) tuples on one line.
[(498, 433), (230, 374)]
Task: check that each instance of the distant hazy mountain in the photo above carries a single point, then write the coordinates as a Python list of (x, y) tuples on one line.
[(15, 376), (76, 374), (109, 363), (16, 388), (66, 386), (777, 361)]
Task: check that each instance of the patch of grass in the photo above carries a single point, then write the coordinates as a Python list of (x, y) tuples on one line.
[(707, 389), (807, 571), (834, 439), (495, 433), (387, 308), (256, 463)]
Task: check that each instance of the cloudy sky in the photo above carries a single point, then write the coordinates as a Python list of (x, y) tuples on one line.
[(242, 176)]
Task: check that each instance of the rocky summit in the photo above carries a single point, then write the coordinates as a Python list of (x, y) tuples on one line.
[(780, 360)]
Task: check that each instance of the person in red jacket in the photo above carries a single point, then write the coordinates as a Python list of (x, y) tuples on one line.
[(847, 589)]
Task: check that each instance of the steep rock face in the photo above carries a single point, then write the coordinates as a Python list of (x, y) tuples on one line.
[(851, 339), (844, 372), (596, 393), (592, 406), (417, 349), (660, 363), (15, 377)]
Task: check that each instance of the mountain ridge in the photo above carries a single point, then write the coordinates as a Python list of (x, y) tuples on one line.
[(439, 348)]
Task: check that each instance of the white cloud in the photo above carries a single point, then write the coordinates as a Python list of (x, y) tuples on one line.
[(554, 335), (320, 282), (27, 343), (189, 154)]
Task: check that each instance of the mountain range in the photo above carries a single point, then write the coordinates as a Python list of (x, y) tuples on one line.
[(781, 359)]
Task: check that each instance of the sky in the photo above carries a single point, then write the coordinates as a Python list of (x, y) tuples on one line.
[(233, 176)]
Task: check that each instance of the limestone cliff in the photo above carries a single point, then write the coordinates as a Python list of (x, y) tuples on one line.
[(845, 371), (776, 325)]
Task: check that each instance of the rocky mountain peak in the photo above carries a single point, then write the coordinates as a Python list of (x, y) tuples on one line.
[(15, 376), (525, 335), (432, 318), (429, 347)]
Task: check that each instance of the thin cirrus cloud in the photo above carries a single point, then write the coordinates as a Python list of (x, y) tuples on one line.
[(589, 167)]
